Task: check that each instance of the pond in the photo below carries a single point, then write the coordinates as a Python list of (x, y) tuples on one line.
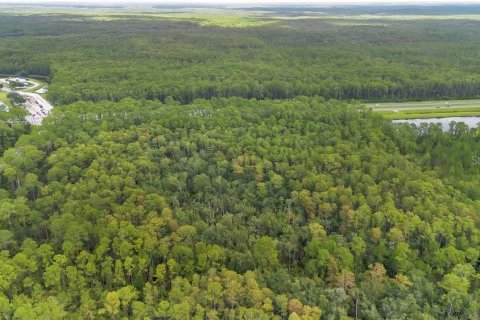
[(471, 122)]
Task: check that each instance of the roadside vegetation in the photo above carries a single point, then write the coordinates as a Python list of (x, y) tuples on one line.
[(15, 98), (424, 114), (4, 99)]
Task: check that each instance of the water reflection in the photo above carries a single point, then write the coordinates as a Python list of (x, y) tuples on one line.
[(471, 122)]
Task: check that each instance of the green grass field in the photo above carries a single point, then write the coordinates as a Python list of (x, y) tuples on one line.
[(427, 109), (396, 116)]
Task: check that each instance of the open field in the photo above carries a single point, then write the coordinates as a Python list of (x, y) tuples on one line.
[(427, 109)]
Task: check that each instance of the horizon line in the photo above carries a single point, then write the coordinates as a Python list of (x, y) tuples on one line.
[(249, 3)]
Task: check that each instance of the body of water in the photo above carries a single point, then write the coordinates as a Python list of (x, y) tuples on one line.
[(471, 122)]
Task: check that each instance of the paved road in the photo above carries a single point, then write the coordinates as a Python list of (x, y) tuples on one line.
[(38, 107)]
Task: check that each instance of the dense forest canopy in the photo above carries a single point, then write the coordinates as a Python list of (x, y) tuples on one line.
[(205, 168), (263, 57)]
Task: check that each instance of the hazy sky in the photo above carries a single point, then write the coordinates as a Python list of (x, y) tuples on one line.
[(237, 2)]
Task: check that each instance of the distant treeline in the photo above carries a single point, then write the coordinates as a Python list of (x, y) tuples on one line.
[(159, 58), (372, 9)]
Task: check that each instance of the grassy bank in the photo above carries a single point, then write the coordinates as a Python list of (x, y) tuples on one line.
[(4, 99), (426, 115)]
